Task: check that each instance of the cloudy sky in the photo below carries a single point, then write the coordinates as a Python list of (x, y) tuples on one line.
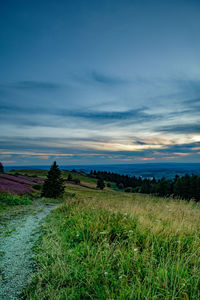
[(89, 81)]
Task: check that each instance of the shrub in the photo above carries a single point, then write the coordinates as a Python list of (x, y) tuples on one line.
[(37, 186), (121, 186), (77, 181), (128, 190)]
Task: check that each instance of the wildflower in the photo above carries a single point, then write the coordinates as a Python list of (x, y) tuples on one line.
[(9, 186), (131, 231), (135, 249), (105, 273), (120, 277), (77, 234)]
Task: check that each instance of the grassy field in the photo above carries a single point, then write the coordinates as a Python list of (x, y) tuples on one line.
[(113, 245), (43, 173)]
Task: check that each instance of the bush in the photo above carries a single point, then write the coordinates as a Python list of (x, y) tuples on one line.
[(128, 190), (16, 174), (121, 186), (77, 181), (37, 186), (108, 184)]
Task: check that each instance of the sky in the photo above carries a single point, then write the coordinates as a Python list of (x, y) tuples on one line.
[(99, 82)]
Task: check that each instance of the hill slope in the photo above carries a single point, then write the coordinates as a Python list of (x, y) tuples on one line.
[(111, 245)]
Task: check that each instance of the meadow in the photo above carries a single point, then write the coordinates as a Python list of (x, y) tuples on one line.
[(115, 245), (108, 244)]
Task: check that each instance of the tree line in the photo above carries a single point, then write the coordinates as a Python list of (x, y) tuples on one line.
[(185, 187)]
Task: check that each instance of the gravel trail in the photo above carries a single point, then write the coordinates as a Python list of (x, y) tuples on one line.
[(16, 264)]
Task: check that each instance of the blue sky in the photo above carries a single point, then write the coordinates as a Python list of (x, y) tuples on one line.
[(99, 81)]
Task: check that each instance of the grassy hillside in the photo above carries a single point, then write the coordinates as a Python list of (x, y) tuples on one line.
[(43, 173), (113, 245)]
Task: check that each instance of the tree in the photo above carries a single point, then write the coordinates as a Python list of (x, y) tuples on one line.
[(120, 186), (128, 190), (69, 178), (77, 181), (100, 184), (54, 184), (1, 168)]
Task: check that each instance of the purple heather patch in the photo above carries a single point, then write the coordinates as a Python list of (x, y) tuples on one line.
[(9, 186), (35, 180), (18, 179)]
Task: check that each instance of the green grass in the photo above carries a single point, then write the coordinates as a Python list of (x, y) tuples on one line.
[(29, 172), (43, 173), (111, 245), (11, 200)]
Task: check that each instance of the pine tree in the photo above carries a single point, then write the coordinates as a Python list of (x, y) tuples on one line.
[(69, 178), (54, 185), (100, 184), (1, 168)]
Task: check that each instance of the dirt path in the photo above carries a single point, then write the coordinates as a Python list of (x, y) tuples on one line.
[(16, 263)]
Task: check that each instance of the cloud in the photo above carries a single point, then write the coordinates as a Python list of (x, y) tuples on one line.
[(57, 117), (96, 77), (182, 128), (147, 158), (192, 101), (106, 79), (69, 150), (188, 86), (31, 86), (106, 117), (8, 161)]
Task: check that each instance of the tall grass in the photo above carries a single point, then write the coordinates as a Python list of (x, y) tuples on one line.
[(109, 245), (11, 199)]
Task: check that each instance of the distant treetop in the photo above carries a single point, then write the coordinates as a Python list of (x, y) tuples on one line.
[(1, 168)]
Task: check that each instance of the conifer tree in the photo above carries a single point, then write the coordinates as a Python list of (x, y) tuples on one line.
[(100, 184), (1, 168), (54, 185), (69, 178)]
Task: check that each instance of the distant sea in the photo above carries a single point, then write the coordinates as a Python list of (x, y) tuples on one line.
[(157, 170)]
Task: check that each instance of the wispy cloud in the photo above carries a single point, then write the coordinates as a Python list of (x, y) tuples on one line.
[(188, 85), (31, 86), (52, 116), (106, 79), (110, 116), (195, 101), (181, 128), (100, 78)]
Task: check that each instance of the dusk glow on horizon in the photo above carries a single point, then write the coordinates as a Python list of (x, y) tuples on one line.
[(99, 82)]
